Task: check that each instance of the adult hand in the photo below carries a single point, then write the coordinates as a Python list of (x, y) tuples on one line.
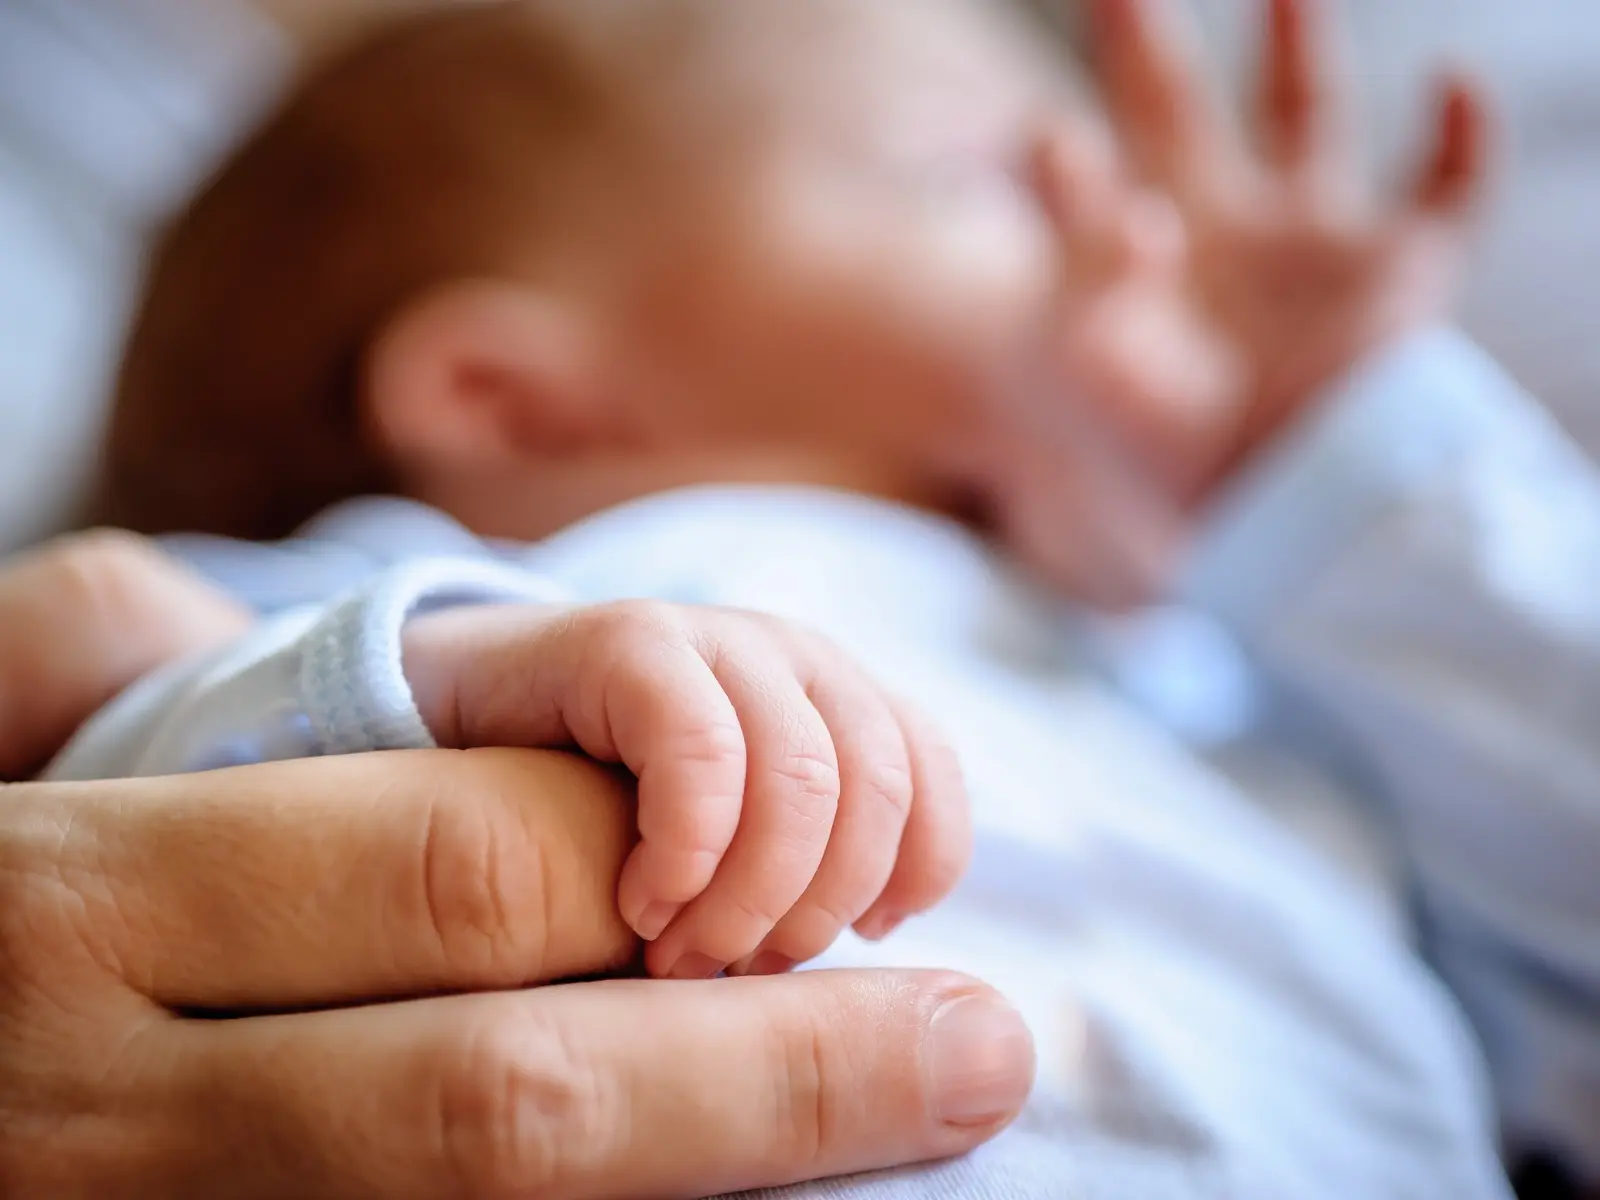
[(204, 983)]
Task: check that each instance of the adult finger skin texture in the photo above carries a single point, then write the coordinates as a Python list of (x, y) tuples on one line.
[(345, 879), (625, 682), (658, 1088)]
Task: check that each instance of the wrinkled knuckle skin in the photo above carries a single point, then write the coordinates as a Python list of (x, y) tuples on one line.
[(714, 742), (620, 638), (888, 784), (32, 932), (484, 888), (807, 1116), (814, 778), (515, 1113), (44, 966), (626, 621)]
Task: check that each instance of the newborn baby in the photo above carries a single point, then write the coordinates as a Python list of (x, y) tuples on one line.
[(525, 261), (522, 263)]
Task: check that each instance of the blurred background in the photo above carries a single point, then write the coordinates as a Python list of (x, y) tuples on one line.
[(112, 110)]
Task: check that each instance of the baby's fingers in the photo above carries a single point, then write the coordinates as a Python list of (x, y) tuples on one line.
[(670, 722), (1164, 108), (937, 844), (1301, 109), (1456, 165), (791, 799), (875, 797), (625, 683)]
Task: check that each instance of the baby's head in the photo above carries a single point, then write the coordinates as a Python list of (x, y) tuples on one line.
[(524, 260)]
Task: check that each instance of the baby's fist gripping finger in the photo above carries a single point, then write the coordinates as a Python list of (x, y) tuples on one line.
[(792, 794), (650, 700), (876, 830), (901, 838), (625, 683), (782, 795)]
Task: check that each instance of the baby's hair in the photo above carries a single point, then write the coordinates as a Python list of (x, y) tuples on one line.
[(431, 151), (456, 142)]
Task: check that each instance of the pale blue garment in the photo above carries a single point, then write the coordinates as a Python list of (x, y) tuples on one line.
[(1220, 1013), (1420, 568)]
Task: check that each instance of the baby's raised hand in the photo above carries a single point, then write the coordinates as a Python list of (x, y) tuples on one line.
[(783, 796), (1295, 263)]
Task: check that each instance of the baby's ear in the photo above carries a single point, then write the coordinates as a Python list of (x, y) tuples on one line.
[(482, 373)]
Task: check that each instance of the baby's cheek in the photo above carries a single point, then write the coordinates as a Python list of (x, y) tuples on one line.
[(979, 259), (951, 250), (994, 237)]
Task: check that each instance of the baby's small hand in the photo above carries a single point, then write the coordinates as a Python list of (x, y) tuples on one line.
[(1300, 269), (783, 796)]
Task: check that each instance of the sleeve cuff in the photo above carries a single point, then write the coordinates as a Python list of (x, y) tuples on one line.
[(352, 675), (1389, 428)]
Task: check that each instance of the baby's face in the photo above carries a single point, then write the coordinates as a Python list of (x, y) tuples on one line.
[(860, 257)]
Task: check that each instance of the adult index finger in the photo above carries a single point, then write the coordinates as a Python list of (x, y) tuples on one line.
[(339, 880)]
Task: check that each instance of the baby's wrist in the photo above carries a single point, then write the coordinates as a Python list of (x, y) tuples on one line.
[(431, 654), (450, 656), (359, 690)]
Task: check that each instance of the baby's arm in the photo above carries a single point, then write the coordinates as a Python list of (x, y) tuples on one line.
[(80, 619), (783, 796)]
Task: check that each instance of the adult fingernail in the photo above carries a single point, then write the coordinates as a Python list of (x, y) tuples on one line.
[(695, 966), (980, 1060), (655, 918)]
